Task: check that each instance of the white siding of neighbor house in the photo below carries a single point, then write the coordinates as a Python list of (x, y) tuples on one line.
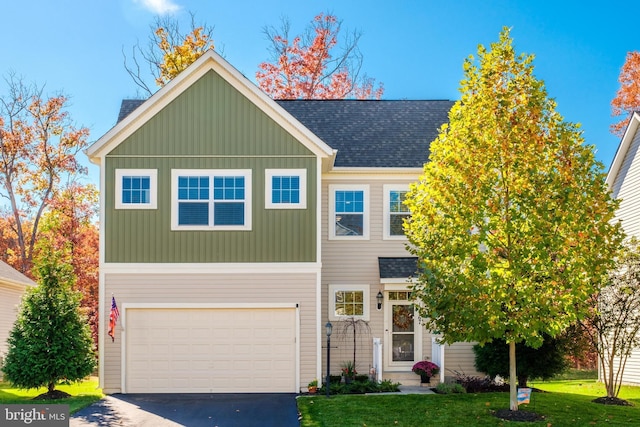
[(237, 288), (356, 262), (10, 297), (626, 187)]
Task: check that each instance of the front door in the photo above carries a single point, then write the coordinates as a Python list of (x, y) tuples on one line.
[(403, 332)]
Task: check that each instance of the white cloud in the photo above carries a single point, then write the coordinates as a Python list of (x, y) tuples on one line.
[(161, 7)]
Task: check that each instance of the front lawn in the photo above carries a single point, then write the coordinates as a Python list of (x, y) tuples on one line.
[(82, 394), (566, 403)]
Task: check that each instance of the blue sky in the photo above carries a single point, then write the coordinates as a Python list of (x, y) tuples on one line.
[(415, 47)]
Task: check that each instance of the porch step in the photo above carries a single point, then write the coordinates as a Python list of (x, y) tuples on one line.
[(408, 379)]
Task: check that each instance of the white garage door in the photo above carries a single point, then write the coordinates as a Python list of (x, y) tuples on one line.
[(208, 350)]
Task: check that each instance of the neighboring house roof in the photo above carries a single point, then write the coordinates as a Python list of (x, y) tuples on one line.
[(11, 276), (127, 107), (397, 267), (382, 134), (370, 133), (623, 149)]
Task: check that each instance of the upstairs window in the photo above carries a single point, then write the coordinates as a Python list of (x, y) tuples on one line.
[(136, 189), (348, 217), (286, 189), (211, 200), (395, 211)]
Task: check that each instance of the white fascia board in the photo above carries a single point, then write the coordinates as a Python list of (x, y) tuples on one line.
[(399, 284), (210, 268), (21, 286), (623, 148), (387, 174)]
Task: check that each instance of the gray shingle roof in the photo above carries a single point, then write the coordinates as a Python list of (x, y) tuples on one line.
[(127, 107), (394, 268), (373, 133), (366, 133)]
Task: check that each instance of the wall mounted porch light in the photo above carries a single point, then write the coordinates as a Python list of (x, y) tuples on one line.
[(379, 298)]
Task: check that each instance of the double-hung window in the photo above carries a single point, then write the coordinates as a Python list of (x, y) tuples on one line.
[(136, 189), (285, 188), (211, 199), (348, 211), (395, 211)]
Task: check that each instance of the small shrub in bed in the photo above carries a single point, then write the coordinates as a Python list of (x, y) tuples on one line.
[(450, 388), (479, 384)]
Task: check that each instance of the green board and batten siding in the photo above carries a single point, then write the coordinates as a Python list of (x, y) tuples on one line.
[(210, 126)]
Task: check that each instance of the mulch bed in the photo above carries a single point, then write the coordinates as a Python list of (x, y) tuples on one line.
[(519, 415), (54, 395), (612, 401)]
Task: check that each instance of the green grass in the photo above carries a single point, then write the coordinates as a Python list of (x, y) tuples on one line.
[(577, 374), (82, 394), (566, 403)]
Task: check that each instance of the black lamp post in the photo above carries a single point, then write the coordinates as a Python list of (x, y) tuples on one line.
[(329, 328)]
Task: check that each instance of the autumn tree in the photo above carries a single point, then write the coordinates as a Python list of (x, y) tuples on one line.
[(70, 225), (613, 326), (51, 340), (627, 99), (38, 148), (169, 51), (315, 65), (511, 219)]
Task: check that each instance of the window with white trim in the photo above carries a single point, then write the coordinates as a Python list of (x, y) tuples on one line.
[(285, 189), (348, 211), (136, 188), (395, 211), (346, 301), (217, 199)]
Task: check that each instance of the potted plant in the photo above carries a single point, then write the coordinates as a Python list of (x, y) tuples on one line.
[(313, 386), (348, 371), (426, 370)]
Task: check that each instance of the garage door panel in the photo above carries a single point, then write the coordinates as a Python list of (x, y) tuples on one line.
[(210, 350)]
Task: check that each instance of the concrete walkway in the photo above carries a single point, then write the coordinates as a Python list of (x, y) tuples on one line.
[(409, 389)]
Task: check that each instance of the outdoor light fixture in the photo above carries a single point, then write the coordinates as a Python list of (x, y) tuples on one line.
[(329, 328), (379, 297)]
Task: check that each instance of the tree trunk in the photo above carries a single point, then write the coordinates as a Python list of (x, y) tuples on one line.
[(52, 386), (609, 384), (354, 346), (513, 379)]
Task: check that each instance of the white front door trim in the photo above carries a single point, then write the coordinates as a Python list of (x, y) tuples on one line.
[(388, 364)]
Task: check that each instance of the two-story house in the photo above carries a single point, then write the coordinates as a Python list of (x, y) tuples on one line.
[(233, 227)]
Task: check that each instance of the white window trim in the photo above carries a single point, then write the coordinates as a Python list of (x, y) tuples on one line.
[(175, 173), (365, 298), (388, 188), (152, 174), (268, 181), (332, 211)]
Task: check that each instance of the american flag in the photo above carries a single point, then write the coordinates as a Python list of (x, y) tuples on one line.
[(113, 318)]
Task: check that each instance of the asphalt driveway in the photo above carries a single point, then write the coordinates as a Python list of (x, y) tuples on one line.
[(211, 410)]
